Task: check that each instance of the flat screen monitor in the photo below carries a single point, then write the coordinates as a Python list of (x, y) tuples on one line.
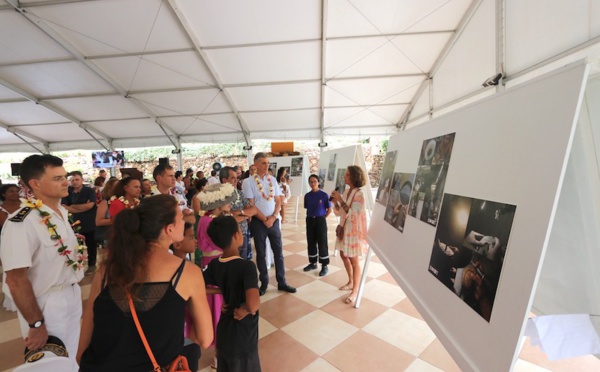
[(108, 159)]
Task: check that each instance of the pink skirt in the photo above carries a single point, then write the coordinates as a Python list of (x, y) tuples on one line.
[(215, 303)]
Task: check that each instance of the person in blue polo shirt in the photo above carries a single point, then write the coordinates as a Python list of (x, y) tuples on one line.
[(318, 207)]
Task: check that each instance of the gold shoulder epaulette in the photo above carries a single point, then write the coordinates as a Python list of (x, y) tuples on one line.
[(20, 216)]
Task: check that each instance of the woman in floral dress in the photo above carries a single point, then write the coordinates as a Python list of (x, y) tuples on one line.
[(350, 206)]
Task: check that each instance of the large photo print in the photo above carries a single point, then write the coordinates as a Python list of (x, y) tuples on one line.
[(469, 248), (385, 181), (430, 180), (397, 207)]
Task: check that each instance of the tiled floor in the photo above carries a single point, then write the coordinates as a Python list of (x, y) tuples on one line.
[(313, 330)]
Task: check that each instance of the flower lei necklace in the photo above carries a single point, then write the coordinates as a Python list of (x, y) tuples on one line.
[(260, 188), (122, 199), (75, 262)]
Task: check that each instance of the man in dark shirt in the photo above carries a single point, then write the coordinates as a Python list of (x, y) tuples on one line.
[(237, 331), (81, 202), (318, 208)]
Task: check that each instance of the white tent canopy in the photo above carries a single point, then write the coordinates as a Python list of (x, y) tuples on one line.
[(130, 73)]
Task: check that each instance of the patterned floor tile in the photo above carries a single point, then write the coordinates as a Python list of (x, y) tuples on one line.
[(281, 352), (283, 310), (363, 352), (319, 331), (403, 331)]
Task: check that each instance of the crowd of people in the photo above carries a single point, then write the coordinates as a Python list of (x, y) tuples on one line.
[(175, 254)]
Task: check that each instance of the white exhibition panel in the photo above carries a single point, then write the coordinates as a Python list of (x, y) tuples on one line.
[(570, 281), (299, 184), (511, 148), (336, 161)]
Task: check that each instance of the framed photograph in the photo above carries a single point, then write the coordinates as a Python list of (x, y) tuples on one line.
[(383, 191), (296, 170), (397, 207), (331, 167)]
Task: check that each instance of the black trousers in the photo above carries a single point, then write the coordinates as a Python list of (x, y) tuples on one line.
[(249, 363), (316, 236), (92, 245), (260, 233)]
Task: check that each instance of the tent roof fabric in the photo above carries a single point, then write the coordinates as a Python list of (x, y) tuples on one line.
[(126, 73), (92, 74)]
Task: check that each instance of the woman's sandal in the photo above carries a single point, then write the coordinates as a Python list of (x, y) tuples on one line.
[(346, 287), (350, 299)]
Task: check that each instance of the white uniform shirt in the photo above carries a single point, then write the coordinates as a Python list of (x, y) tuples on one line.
[(251, 191), (181, 200), (28, 244), (212, 180)]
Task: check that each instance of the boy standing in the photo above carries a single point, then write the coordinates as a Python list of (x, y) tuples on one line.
[(237, 331)]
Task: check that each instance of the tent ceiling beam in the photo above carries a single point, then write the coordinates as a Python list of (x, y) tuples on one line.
[(52, 108), (256, 45), (16, 3), (192, 37), (439, 60), (36, 62), (323, 68), (13, 100), (140, 54), (406, 115), (455, 36), (557, 57), (80, 95), (50, 32), (392, 35), (20, 134)]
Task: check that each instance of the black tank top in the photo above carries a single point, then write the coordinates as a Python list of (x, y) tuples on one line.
[(116, 344)]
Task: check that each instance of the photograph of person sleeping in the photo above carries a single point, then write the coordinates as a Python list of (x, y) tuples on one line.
[(468, 251)]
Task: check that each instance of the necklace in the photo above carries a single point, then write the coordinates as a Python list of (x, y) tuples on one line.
[(260, 188), (125, 202), (81, 257)]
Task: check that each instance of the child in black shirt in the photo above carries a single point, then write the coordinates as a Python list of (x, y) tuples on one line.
[(237, 331)]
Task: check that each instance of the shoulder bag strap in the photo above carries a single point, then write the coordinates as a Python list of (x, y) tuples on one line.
[(141, 332), (350, 206)]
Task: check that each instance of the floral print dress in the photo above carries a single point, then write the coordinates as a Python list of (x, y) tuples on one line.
[(354, 243)]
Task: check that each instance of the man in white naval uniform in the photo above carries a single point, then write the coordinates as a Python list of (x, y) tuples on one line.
[(164, 175), (41, 280)]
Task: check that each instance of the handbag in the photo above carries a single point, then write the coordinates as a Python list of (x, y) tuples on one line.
[(180, 363), (339, 232), (339, 229)]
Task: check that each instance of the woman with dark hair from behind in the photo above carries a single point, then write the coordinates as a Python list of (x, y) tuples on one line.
[(161, 285)]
